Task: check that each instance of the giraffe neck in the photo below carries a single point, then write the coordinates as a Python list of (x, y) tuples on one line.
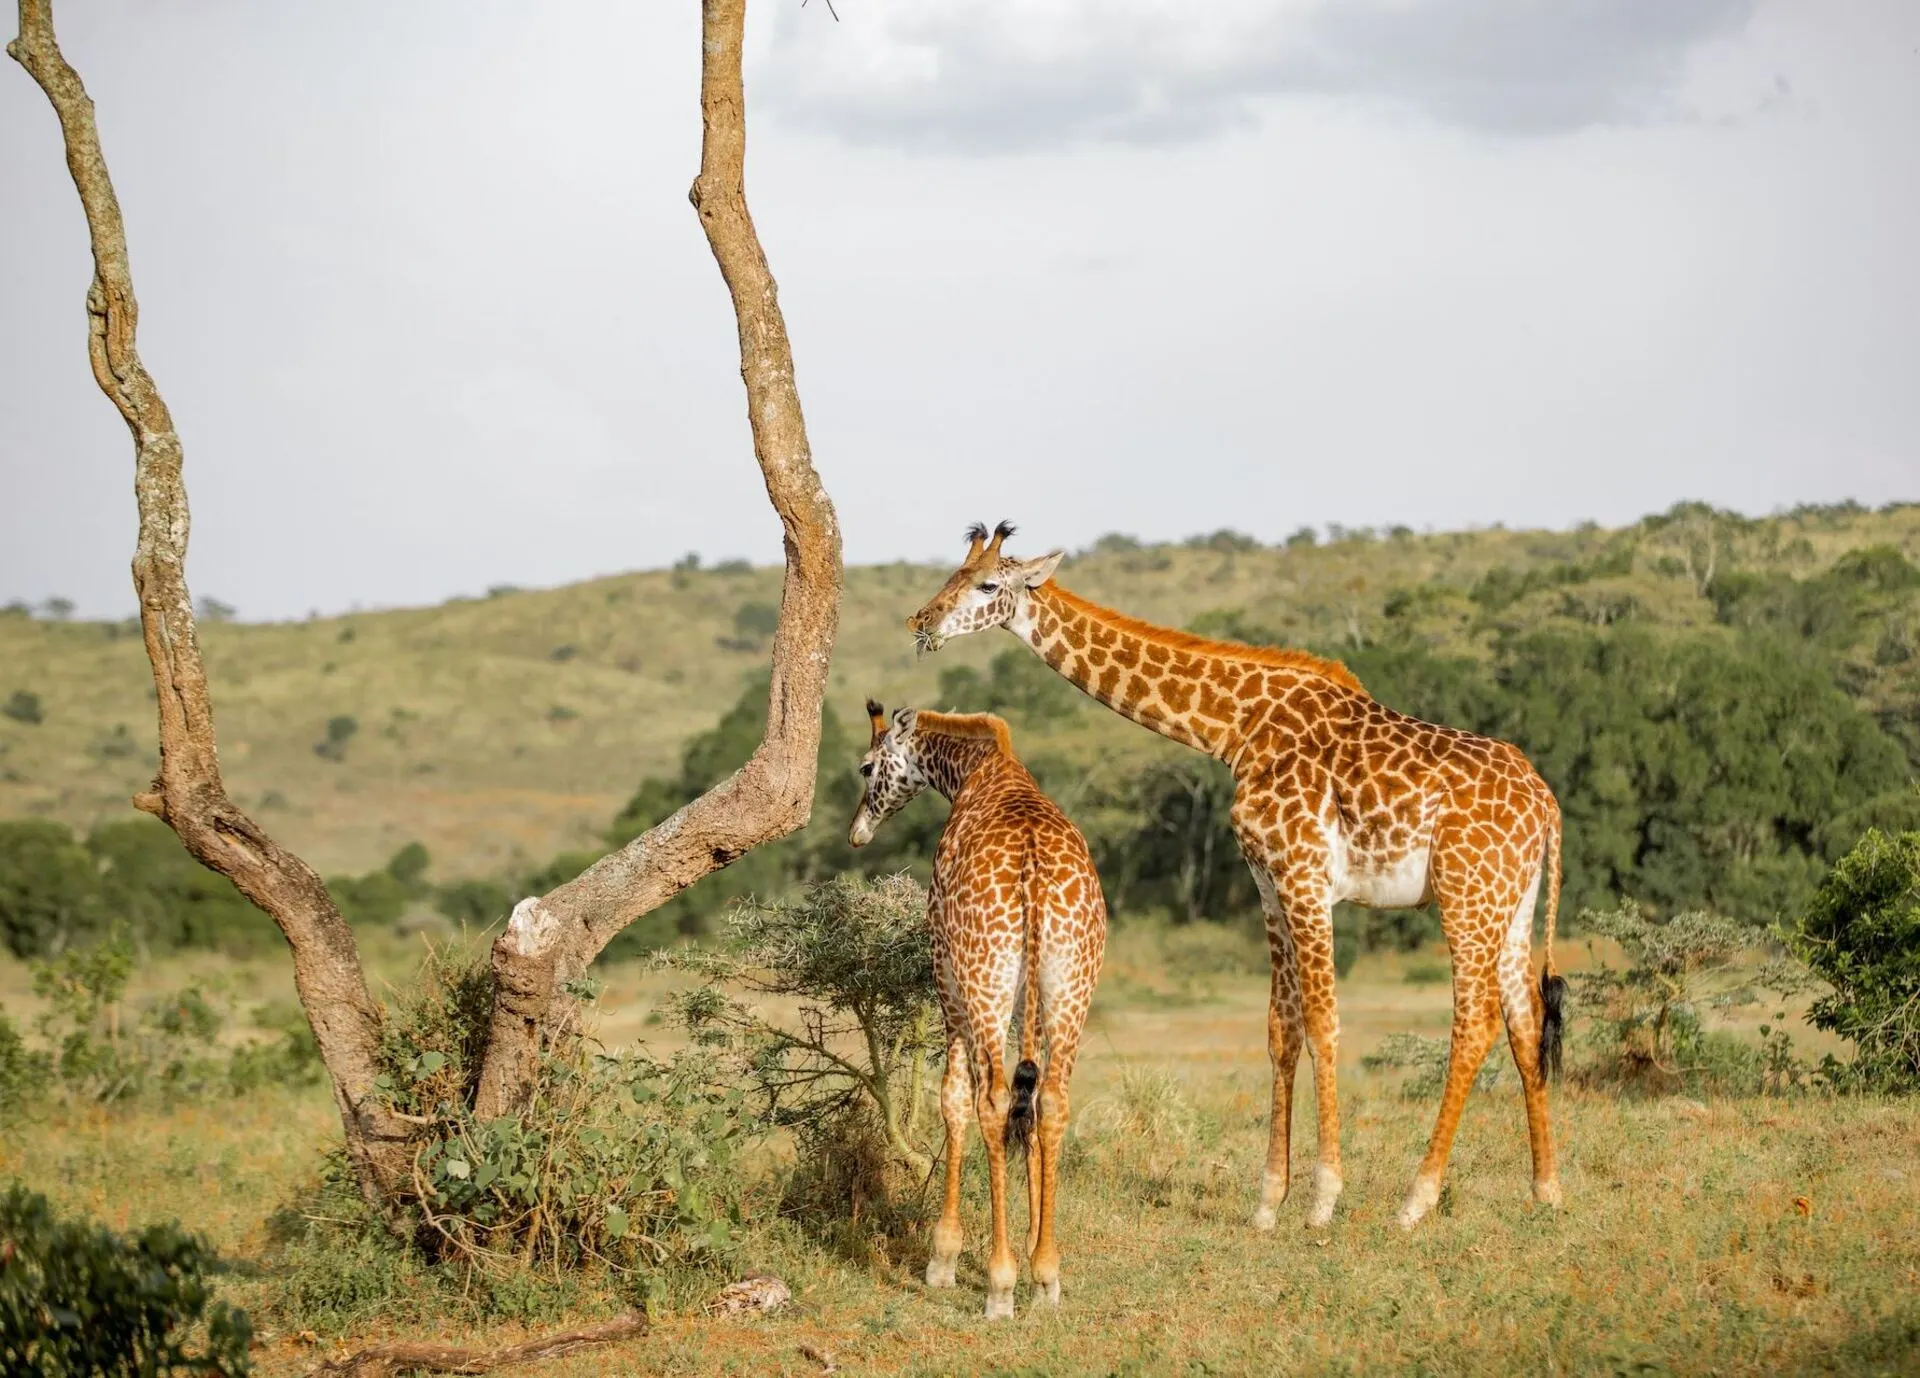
[(1164, 682), (949, 762)]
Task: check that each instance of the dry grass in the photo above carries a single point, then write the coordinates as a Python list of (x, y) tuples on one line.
[(1682, 1248)]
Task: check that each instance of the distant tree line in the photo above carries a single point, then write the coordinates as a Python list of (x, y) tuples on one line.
[(1724, 767)]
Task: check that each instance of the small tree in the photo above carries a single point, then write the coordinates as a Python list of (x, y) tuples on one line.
[(1647, 1016), (1861, 935), (854, 954)]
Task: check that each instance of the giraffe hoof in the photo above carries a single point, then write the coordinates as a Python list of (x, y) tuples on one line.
[(1419, 1201), (1547, 1193), (940, 1271), (1048, 1292), (1000, 1307), (1326, 1192), (1265, 1219)]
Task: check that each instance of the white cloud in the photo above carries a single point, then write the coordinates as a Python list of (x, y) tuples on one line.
[(932, 73)]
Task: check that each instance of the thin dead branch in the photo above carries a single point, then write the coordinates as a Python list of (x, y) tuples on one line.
[(381, 1361)]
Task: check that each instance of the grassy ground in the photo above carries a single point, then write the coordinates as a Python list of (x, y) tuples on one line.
[(500, 730), (1739, 1236)]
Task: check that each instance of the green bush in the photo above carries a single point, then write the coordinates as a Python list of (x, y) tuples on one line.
[(340, 730), (24, 1071), (169, 900), (623, 1162), (93, 1050), (78, 1299), (49, 889), (475, 903), (1861, 935), (23, 707)]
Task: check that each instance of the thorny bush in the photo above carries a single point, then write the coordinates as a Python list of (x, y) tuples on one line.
[(1646, 1021), (848, 1073)]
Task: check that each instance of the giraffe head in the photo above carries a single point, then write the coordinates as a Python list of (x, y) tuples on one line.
[(988, 589), (892, 772)]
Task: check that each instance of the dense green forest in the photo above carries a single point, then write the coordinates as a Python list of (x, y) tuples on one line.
[(1721, 715)]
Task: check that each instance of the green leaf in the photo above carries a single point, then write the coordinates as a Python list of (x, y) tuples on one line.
[(617, 1222), (428, 1063), (458, 1167)]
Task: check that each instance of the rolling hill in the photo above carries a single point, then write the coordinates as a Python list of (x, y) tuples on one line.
[(499, 730)]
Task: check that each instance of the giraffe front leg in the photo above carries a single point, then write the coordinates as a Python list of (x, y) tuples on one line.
[(1310, 918), (1286, 1031), (956, 1096)]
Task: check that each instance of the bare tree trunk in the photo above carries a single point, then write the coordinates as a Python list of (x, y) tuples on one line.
[(552, 939), (187, 793)]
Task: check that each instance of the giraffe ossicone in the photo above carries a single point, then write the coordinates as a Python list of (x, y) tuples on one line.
[(1017, 921), (1336, 798)]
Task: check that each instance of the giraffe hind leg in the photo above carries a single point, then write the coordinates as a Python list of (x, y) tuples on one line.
[(1477, 925), (956, 1095), (1522, 1004)]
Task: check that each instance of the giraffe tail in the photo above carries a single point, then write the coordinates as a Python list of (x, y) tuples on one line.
[(1553, 986), (1024, 1114)]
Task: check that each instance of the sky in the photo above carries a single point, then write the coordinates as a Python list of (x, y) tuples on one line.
[(422, 287)]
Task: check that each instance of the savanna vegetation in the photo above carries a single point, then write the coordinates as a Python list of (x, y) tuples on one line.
[(538, 1122)]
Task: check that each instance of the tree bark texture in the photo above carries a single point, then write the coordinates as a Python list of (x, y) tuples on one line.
[(188, 793), (550, 940)]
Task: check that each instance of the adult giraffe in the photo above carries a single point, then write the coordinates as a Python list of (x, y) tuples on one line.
[(1336, 797)]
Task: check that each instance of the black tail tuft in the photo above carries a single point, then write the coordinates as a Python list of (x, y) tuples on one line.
[(1020, 1119), (1553, 1023)]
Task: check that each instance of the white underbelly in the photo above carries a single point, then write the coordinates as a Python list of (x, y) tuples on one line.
[(1383, 883)]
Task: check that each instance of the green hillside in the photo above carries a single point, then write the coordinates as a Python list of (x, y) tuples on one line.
[(500, 730)]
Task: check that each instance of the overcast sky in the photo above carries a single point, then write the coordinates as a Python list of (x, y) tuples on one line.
[(423, 289)]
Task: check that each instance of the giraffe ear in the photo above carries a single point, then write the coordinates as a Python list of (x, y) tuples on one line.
[(903, 721), (1034, 573)]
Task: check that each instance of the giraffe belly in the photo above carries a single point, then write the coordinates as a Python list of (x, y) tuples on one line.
[(1388, 882)]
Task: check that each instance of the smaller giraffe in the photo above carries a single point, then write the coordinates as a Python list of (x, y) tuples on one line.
[(1015, 909)]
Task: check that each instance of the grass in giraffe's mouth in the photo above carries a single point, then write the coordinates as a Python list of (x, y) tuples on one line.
[(927, 641)]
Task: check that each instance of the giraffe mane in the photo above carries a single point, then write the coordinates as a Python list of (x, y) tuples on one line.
[(984, 726), (1276, 656)]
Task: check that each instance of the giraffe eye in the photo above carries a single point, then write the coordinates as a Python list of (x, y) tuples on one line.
[(866, 768), (989, 587)]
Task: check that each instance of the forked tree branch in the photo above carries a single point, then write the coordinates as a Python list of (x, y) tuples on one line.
[(187, 793), (552, 939)]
